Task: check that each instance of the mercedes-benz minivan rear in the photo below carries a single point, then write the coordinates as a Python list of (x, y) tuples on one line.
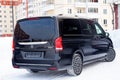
[(36, 44), (59, 43)]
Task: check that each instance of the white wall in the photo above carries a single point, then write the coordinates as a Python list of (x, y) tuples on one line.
[(114, 35)]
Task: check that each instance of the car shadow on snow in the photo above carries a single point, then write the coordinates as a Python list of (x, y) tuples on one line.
[(54, 75), (45, 75)]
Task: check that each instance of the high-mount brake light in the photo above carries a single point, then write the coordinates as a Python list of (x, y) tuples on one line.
[(33, 18)]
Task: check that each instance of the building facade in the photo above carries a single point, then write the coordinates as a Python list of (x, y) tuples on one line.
[(116, 12), (6, 22), (98, 10)]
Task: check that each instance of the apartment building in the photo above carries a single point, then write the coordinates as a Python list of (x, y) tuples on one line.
[(115, 5), (6, 22), (28, 8), (98, 10)]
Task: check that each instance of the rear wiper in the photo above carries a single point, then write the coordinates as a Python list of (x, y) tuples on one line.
[(25, 40), (30, 40)]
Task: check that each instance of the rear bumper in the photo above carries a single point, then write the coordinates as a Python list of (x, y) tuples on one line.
[(39, 67), (51, 61)]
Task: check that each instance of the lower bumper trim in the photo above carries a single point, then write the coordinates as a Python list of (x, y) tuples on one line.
[(27, 64)]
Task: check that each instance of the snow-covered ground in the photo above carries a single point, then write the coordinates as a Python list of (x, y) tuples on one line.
[(96, 71)]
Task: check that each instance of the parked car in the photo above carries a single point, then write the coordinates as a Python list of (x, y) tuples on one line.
[(59, 43)]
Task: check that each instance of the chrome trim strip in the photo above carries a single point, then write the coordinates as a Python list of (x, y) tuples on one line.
[(32, 43), (24, 64)]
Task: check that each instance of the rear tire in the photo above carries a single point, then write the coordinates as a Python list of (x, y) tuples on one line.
[(110, 55), (32, 71), (76, 67)]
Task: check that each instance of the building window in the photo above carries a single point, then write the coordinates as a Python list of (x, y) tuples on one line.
[(93, 10), (11, 30), (80, 0), (69, 11), (10, 11), (0, 25), (105, 21), (44, 13), (5, 30), (5, 26), (0, 20), (10, 6), (10, 16), (69, 1), (31, 12), (104, 11), (11, 26), (4, 11), (92, 0), (11, 21), (30, 6), (4, 21), (81, 10), (104, 1), (95, 19), (23, 3), (5, 16)]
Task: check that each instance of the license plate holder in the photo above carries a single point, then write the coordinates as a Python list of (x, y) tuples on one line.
[(32, 55)]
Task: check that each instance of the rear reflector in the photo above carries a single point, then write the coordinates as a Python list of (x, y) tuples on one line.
[(13, 45), (52, 68), (58, 44), (15, 66)]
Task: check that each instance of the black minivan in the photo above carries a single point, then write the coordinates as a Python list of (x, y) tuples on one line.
[(59, 43)]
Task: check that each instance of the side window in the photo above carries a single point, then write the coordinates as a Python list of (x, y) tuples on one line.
[(70, 27), (85, 28), (98, 29)]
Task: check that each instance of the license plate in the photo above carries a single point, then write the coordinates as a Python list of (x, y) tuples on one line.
[(32, 55)]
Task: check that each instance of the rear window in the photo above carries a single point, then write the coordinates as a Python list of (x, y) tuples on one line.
[(35, 29)]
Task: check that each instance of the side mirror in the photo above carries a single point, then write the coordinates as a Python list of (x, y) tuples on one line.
[(107, 34)]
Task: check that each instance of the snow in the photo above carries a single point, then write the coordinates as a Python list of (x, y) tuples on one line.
[(95, 71), (115, 36)]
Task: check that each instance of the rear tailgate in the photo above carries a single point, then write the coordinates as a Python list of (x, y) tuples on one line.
[(34, 40)]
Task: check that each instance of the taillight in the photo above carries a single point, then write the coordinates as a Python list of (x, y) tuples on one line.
[(13, 45), (58, 44)]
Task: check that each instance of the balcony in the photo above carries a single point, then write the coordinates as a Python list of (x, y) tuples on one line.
[(48, 7), (88, 15), (82, 15), (84, 4), (80, 4)]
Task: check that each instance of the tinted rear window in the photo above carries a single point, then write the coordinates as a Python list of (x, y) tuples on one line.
[(36, 29)]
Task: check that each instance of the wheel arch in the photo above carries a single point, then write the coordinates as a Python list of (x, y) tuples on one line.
[(81, 54)]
